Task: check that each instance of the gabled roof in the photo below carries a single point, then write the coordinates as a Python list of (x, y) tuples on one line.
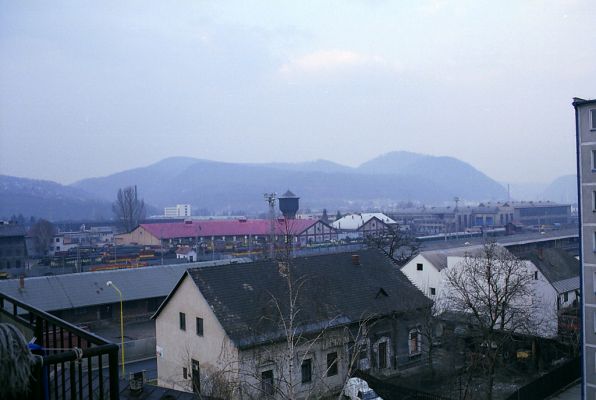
[(261, 227), (62, 292), (355, 221), (333, 291), (555, 264), (438, 258)]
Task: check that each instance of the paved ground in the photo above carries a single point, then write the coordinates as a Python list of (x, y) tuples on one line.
[(572, 392)]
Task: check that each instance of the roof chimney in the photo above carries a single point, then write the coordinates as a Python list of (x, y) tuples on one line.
[(355, 259)]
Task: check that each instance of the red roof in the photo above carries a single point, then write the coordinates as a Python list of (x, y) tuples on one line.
[(260, 227)]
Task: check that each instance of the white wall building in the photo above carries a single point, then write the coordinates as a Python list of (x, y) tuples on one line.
[(427, 271), (180, 210)]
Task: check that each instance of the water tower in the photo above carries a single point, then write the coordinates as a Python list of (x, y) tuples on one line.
[(288, 204)]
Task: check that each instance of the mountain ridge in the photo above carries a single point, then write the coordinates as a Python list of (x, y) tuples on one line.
[(227, 187)]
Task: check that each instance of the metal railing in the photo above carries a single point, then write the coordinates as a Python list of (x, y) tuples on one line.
[(74, 364)]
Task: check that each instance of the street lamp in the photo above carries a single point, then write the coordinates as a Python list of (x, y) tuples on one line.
[(111, 284)]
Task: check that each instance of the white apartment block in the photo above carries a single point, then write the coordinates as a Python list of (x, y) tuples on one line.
[(585, 130), (180, 210)]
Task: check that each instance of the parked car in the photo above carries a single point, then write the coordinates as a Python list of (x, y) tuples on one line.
[(358, 389)]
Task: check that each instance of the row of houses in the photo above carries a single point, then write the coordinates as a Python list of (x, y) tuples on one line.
[(254, 232)]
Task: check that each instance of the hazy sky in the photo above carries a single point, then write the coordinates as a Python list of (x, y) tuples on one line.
[(88, 88)]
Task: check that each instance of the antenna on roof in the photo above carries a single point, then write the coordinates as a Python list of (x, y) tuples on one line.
[(270, 199)]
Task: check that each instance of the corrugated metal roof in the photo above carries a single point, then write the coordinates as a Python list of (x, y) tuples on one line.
[(61, 292), (260, 227), (567, 285)]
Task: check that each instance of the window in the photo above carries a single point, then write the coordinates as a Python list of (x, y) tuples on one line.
[(535, 275), (267, 382), (566, 296), (382, 355), (593, 160), (594, 201), (185, 372), (199, 326), (419, 267), (182, 321), (414, 342), (433, 291), (593, 119), (332, 364), (306, 369)]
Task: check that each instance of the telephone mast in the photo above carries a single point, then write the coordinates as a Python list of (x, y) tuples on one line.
[(270, 199)]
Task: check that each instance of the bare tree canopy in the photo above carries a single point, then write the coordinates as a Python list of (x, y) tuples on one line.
[(397, 243), (128, 209), (496, 291), (42, 232)]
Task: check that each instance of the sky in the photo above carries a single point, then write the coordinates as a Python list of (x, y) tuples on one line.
[(90, 88)]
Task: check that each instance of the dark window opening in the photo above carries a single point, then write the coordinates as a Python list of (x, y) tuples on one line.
[(182, 321), (185, 373), (199, 326), (267, 382), (383, 355), (419, 266), (433, 291), (332, 364), (306, 370)]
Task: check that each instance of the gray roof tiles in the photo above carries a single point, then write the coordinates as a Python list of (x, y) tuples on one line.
[(333, 291)]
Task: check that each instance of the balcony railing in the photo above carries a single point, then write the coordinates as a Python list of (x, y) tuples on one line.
[(74, 364)]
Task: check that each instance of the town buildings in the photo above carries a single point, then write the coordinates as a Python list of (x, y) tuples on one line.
[(585, 121), (227, 324), (245, 233), (360, 226), (13, 250), (437, 220)]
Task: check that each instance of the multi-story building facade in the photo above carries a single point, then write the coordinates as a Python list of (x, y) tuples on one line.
[(585, 121), (180, 210), (13, 251)]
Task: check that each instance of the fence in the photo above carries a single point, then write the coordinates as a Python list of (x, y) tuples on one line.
[(550, 382), (74, 364)]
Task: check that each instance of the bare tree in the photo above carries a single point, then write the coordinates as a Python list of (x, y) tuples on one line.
[(43, 233), (128, 209), (495, 290), (396, 242)]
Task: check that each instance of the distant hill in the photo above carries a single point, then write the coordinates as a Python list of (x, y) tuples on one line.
[(221, 187), (48, 200), (230, 187), (562, 189), (460, 178)]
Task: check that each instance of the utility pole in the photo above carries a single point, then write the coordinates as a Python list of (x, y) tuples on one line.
[(270, 199)]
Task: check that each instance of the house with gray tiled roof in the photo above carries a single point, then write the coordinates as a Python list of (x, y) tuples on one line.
[(232, 322)]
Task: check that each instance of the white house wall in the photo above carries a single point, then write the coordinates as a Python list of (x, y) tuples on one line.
[(545, 319), (175, 347), (429, 277)]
